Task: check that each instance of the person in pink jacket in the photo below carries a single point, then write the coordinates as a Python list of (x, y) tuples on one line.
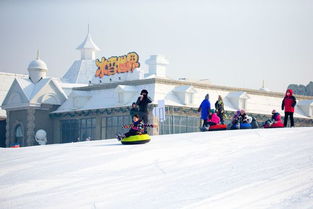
[(213, 118)]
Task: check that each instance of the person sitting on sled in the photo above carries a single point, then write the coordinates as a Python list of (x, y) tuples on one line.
[(137, 128), (213, 119), (274, 121), (235, 120), (244, 118)]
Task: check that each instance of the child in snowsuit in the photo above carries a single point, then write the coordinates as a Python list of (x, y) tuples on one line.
[(288, 104), (244, 120), (137, 128), (213, 118), (243, 117), (219, 106), (276, 119), (235, 120), (204, 107)]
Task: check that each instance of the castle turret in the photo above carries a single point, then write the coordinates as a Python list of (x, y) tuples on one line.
[(37, 69), (157, 65), (88, 48)]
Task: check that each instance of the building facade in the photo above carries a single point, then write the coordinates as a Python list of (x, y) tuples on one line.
[(92, 100)]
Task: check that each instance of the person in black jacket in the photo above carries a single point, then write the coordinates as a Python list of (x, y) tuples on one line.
[(219, 106), (134, 110), (142, 102)]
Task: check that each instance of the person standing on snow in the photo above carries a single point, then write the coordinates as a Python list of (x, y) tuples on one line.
[(205, 107), (133, 111), (288, 104), (142, 102), (219, 106)]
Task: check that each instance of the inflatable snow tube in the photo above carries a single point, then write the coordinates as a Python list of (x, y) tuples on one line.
[(235, 126), (245, 126), (137, 139), (274, 125), (218, 127)]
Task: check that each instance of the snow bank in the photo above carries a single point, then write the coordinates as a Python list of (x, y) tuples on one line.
[(242, 169)]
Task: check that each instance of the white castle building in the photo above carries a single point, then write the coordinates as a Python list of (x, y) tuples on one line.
[(92, 100)]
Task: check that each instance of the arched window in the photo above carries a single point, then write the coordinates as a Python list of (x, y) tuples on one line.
[(19, 134)]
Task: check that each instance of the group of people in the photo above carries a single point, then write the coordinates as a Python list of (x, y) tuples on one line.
[(240, 119), (210, 116), (140, 116)]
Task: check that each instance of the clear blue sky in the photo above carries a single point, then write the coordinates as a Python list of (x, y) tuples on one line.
[(233, 43)]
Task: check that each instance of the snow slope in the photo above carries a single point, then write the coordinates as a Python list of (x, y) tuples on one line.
[(243, 169)]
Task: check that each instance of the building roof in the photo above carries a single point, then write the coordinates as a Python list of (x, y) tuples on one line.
[(6, 80), (81, 72), (88, 43), (23, 92)]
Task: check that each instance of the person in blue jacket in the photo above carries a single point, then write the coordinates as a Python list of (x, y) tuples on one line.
[(205, 107)]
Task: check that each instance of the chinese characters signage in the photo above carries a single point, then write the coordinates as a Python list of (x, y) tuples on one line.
[(114, 64)]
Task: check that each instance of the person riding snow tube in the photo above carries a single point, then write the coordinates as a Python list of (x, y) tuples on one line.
[(245, 120), (136, 133), (274, 122), (212, 121), (235, 121)]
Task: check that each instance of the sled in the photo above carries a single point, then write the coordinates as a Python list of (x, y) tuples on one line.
[(137, 139), (274, 125), (218, 127), (245, 126)]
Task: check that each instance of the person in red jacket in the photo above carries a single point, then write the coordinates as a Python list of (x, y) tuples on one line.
[(288, 104)]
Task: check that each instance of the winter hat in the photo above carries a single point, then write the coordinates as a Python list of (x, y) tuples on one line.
[(274, 111), (212, 111), (143, 91), (290, 91), (207, 96)]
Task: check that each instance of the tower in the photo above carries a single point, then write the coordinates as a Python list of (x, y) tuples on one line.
[(88, 48), (37, 69), (157, 65)]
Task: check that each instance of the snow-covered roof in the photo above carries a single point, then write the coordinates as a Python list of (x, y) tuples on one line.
[(126, 88), (81, 72), (24, 92), (185, 89), (237, 94), (6, 80), (88, 43)]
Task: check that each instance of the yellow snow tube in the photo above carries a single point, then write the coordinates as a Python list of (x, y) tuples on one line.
[(137, 139)]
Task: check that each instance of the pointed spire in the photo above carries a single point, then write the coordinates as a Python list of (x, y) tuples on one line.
[(88, 48), (37, 57), (263, 86), (88, 43)]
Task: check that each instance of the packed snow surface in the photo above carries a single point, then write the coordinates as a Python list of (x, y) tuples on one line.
[(243, 169)]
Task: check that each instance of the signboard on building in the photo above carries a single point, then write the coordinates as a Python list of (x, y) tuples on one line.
[(117, 64)]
